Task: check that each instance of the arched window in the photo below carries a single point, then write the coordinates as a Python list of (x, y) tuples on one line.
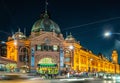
[(24, 56)]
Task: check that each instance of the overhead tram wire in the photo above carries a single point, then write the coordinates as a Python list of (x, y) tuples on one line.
[(2, 35), (91, 23), (5, 32)]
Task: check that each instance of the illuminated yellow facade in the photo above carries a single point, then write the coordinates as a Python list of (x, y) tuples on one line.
[(85, 61), (11, 51), (18, 49)]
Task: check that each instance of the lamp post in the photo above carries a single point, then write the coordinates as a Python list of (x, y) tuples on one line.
[(16, 49), (26, 58), (89, 64), (61, 63), (71, 47), (108, 34)]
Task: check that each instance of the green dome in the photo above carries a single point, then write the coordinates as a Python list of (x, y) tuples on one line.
[(45, 24)]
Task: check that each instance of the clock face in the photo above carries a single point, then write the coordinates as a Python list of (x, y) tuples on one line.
[(67, 52), (47, 41), (55, 47)]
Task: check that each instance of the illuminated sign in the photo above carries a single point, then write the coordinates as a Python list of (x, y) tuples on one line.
[(32, 57), (61, 58), (47, 65)]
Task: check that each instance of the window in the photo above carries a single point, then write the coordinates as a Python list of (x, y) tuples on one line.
[(42, 47), (55, 47), (38, 47), (46, 47), (67, 52), (20, 58), (77, 60), (50, 48), (47, 41), (67, 59)]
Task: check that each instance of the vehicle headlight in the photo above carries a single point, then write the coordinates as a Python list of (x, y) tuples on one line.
[(113, 77), (109, 77), (104, 77)]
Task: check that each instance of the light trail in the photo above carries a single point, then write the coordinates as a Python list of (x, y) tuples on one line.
[(91, 23)]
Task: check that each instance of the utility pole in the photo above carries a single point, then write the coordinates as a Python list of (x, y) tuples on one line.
[(26, 59)]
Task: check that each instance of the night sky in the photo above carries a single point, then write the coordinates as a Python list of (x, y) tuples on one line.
[(87, 20)]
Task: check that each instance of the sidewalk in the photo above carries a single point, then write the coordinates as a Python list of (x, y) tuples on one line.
[(60, 77)]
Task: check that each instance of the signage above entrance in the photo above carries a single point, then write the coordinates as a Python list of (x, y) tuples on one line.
[(47, 65)]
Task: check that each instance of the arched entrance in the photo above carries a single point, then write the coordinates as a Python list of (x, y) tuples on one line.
[(24, 59), (47, 66)]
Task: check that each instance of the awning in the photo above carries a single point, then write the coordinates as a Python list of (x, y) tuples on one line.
[(47, 65)]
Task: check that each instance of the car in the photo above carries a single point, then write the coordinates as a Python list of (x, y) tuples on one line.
[(107, 77)]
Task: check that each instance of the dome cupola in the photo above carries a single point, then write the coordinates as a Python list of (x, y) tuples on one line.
[(18, 35), (70, 37), (45, 24)]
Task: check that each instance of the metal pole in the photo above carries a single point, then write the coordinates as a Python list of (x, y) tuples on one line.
[(26, 59), (115, 68), (72, 60)]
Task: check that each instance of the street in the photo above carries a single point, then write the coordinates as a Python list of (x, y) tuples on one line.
[(24, 78), (57, 81)]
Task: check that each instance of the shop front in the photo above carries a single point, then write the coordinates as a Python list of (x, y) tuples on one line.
[(11, 67), (47, 69), (47, 66), (7, 65)]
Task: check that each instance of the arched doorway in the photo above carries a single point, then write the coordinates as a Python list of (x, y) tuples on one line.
[(47, 66), (24, 59)]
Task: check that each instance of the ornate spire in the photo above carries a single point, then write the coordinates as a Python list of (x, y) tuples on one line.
[(46, 3), (25, 31), (66, 34), (18, 29), (70, 34)]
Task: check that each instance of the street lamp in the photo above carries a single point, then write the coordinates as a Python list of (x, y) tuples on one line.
[(26, 59), (108, 34), (90, 59), (71, 47), (15, 42)]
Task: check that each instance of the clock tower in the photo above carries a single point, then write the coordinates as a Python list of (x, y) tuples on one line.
[(115, 57)]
